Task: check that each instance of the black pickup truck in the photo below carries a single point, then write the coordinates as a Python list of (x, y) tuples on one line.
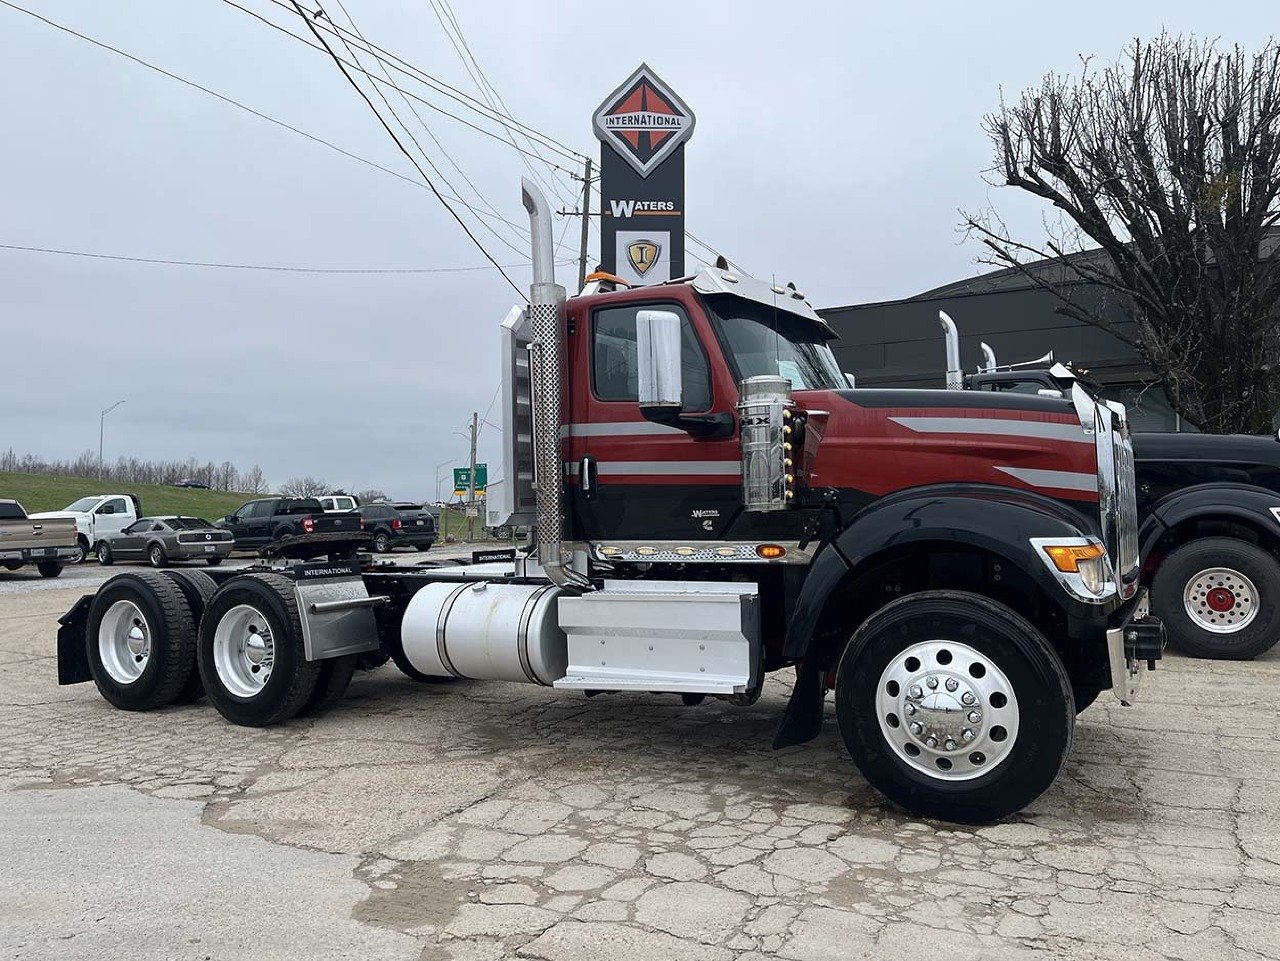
[(272, 521)]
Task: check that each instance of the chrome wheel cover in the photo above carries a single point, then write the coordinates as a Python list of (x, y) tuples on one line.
[(124, 642), (947, 710), (243, 651), (1220, 600)]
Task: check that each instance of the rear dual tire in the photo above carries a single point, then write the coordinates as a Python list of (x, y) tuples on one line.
[(954, 707)]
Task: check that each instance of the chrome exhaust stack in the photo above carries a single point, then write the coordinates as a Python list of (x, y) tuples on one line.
[(546, 356), (988, 359), (955, 376)]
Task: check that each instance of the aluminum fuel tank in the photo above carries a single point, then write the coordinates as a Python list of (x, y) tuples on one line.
[(486, 630)]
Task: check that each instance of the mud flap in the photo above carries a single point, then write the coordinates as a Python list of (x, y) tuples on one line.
[(73, 659), (803, 718)]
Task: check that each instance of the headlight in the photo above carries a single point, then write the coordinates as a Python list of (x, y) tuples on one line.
[(1080, 565)]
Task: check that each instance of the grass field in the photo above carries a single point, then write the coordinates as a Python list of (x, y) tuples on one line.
[(45, 492)]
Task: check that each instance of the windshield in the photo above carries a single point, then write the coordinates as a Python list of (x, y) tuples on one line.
[(763, 340), (84, 504)]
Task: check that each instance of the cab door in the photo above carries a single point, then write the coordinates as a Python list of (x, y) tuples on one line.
[(630, 479)]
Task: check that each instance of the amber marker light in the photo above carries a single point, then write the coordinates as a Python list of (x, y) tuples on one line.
[(771, 552), (1067, 558)]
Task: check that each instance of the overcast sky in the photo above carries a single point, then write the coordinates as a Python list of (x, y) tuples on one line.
[(836, 145)]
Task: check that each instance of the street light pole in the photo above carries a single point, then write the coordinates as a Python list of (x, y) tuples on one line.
[(102, 426), (443, 463)]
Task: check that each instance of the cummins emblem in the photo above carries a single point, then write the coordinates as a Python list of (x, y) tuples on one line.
[(643, 121), (643, 254)]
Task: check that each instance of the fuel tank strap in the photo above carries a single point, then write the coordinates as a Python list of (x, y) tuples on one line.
[(442, 649)]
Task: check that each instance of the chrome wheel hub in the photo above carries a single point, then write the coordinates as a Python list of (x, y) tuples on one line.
[(1220, 600), (124, 642), (243, 651), (947, 710)]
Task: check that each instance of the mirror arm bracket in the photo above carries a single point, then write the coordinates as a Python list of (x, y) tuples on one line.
[(702, 426)]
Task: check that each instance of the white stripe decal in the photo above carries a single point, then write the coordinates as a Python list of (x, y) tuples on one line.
[(629, 429), (1063, 480), (667, 468), (991, 425)]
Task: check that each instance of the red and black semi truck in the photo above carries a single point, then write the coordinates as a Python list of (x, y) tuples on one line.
[(711, 501)]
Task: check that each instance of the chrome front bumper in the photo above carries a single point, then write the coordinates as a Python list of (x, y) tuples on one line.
[(1139, 638)]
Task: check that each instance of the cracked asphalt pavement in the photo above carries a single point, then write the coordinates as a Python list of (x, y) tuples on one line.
[(483, 821)]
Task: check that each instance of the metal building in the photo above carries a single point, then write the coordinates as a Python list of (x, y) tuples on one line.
[(898, 343)]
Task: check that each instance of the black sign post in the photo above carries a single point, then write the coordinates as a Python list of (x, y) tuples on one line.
[(642, 127)]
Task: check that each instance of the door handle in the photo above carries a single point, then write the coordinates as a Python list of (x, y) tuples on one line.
[(587, 476)]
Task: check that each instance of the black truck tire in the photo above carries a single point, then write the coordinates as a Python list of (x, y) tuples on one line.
[(198, 590), (49, 569), (251, 654), (954, 706), (1219, 597), (331, 686), (140, 641)]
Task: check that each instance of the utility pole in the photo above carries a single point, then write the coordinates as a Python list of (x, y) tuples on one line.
[(586, 220), (471, 484), (102, 427)]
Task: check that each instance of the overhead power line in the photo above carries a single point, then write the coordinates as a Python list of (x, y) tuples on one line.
[(240, 106), (392, 134), (263, 267)]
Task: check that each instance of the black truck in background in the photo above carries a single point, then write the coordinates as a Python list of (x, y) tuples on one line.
[(1209, 507), (270, 521)]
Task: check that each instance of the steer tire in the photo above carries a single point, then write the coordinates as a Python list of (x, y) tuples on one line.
[(1191, 633), (1024, 699), (49, 569), (269, 600), (168, 627), (335, 678), (197, 589)]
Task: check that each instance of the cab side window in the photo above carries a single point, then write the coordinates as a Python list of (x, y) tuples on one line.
[(616, 370)]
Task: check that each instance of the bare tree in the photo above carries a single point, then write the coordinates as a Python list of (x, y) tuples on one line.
[(304, 487), (252, 481), (1169, 162), (371, 496)]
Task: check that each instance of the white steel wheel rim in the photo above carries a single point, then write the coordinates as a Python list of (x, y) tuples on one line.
[(947, 710), (243, 651), (1220, 600), (124, 642)]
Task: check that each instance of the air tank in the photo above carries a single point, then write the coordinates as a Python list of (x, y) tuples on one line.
[(486, 630)]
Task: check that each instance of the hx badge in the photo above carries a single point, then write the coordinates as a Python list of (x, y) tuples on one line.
[(643, 254)]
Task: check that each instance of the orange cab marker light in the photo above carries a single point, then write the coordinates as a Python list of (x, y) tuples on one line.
[(771, 551), (1067, 559)]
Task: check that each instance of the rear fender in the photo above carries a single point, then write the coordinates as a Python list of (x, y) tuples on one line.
[(1246, 504), (996, 521), (73, 658)]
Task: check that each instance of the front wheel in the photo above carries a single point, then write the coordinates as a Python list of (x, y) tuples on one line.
[(1219, 597), (157, 556), (105, 557), (954, 706)]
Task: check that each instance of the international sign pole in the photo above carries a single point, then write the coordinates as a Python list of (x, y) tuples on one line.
[(642, 127)]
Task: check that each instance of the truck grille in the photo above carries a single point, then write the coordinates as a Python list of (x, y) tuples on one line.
[(1118, 496)]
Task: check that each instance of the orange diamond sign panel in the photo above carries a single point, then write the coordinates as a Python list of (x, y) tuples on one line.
[(643, 121)]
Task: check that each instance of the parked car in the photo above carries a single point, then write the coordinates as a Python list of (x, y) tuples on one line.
[(338, 503), (259, 522), (399, 525), (195, 484), (97, 517), (48, 544), (161, 540)]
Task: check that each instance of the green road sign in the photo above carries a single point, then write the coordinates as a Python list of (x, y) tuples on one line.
[(462, 479)]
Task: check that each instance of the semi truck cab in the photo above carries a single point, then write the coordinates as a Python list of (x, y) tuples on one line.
[(710, 502)]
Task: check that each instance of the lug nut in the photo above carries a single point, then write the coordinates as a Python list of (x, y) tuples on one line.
[(931, 681), (915, 727), (910, 709), (952, 684), (931, 742), (949, 744), (914, 691), (975, 717), (967, 735), (968, 697)]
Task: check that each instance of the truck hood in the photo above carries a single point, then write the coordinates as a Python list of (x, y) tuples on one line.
[(74, 515)]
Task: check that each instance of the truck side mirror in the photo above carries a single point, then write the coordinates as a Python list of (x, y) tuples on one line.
[(658, 355)]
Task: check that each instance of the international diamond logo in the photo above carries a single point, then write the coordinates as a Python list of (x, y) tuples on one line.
[(643, 121)]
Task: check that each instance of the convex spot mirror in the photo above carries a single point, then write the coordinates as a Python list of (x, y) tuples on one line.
[(658, 354)]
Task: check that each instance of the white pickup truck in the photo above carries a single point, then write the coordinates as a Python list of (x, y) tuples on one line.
[(98, 517)]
